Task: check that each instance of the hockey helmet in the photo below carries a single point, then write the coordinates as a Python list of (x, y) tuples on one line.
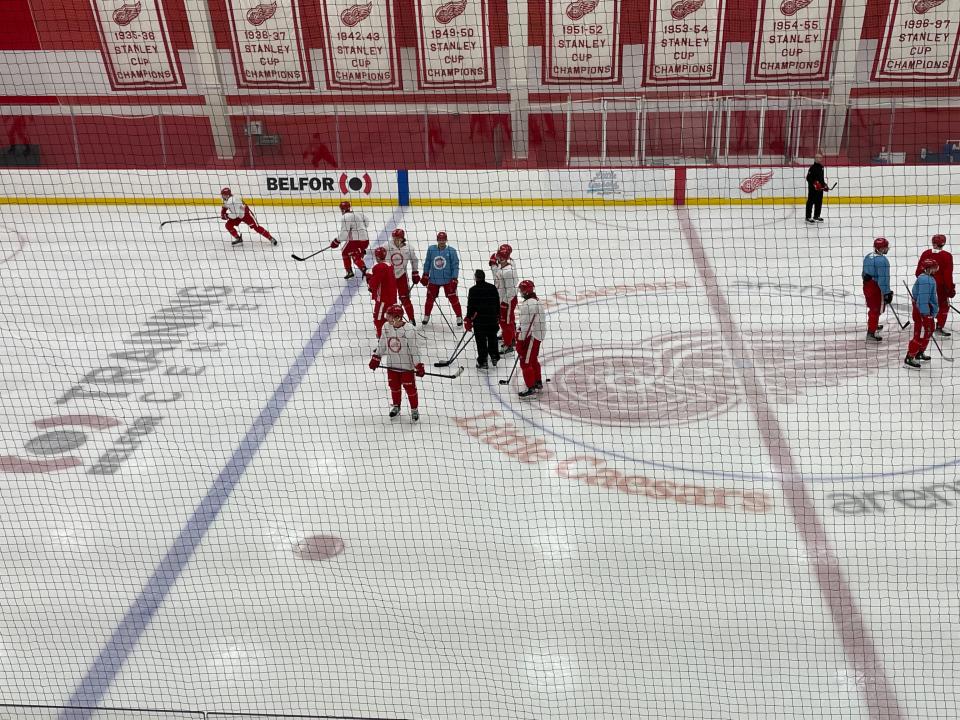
[(380, 254), (939, 240), (929, 264), (881, 243), (504, 251), (394, 311), (226, 192), (525, 287), (441, 236), (398, 234), (345, 206)]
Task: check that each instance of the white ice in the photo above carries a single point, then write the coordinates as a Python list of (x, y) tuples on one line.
[(589, 580)]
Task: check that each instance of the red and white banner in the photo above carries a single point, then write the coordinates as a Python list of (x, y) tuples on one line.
[(793, 40), (686, 42), (921, 41), (268, 48), (361, 49), (583, 42), (453, 44), (136, 45)]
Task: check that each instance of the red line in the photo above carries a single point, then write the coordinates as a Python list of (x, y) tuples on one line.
[(847, 619)]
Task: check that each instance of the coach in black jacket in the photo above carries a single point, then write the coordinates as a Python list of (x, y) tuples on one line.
[(483, 317), (816, 185)]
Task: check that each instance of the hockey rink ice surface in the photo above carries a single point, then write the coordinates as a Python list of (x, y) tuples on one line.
[(725, 504)]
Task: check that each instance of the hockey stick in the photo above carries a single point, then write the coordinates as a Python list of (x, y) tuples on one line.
[(457, 350), (510, 377), (953, 308), (457, 374), (894, 311), (307, 257), (939, 349), (186, 220), (444, 316)]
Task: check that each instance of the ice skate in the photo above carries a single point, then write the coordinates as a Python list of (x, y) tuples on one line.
[(874, 337), (394, 411), (911, 363), (415, 415)]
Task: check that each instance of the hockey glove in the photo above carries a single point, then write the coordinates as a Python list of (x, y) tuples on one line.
[(374, 362), (468, 324), (416, 278), (888, 298), (425, 280), (223, 214), (419, 370), (335, 244), (819, 186), (953, 290)]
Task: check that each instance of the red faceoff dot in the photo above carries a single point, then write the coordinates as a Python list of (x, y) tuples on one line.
[(319, 547)]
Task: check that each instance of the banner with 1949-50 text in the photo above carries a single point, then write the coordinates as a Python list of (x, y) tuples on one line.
[(453, 44)]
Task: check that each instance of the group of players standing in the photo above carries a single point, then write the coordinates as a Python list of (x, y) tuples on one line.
[(931, 294), (489, 307)]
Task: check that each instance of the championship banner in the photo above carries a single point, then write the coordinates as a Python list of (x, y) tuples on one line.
[(361, 50), (453, 44), (268, 48), (921, 41), (686, 42), (583, 42), (136, 46), (793, 40)]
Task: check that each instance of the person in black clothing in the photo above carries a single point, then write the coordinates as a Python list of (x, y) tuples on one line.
[(816, 185), (483, 317)]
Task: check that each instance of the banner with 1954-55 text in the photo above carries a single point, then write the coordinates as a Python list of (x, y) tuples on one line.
[(793, 40), (361, 46), (582, 42), (268, 48), (136, 45)]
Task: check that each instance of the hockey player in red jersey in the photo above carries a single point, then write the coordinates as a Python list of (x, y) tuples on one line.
[(399, 350), (383, 288), (531, 330), (400, 255), (353, 236), (943, 277), (235, 211), (505, 280)]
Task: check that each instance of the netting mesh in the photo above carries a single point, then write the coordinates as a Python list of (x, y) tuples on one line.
[(633, 416)]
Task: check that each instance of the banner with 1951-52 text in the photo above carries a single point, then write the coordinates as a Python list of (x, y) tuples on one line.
[(582, 42), (361, 46), (136, 45), (268, 48)]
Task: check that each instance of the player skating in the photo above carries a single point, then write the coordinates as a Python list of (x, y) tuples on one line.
[(505, 280), (235, 211), (353, 236), (401, 255), (531, 330), (383, 288), (876, 285), (398, 347), (943, 277), (925, 310), (441, 268)]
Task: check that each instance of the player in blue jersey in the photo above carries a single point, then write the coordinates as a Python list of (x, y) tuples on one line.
[(876, 285), (441, 268), (925, 309)]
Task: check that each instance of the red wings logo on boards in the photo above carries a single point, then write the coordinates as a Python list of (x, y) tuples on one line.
[(448, 11), (356, 14), (921, 6), (791, 7), (259, 14), (126, 14), (756, 181), (683, 8), (579, 8)]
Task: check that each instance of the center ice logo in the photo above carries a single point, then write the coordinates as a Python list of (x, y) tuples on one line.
[(680, 379)]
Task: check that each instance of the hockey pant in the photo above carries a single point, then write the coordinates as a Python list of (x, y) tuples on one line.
[(814, 203), (450, 289), (871, 291), (403, 294), (379, 316), (508, 322), (354, 251), (943, 299), (486, 337), (408, 381), (250, 220), (529, 353), (923, 327)]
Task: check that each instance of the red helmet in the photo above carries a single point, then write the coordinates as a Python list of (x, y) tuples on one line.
[(881, 244), (441, 235), (226, 192), (525, 287), (929, 264), (493, 260), (345, 206), (939, 240), (380, 254), (398, 234), (504, 251), (394, 311)]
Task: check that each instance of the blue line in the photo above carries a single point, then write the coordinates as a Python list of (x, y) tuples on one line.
[(403, 188), (127, 634)]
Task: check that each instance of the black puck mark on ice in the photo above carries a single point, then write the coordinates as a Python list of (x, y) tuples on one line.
[(355, 184)]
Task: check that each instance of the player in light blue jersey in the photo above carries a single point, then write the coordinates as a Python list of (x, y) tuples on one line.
[(441, 268), (925, 309), (876, 286)]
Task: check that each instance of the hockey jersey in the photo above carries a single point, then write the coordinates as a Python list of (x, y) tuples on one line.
[(235, 207), (531, 322), (442, 265), (944, 274), (398, 347), (505, 280), (877, 267), (353, 226), (400, 258), (925, 295), (383, 284)]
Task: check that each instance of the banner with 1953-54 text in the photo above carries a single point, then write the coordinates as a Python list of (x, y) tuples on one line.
[(685, 45), (136, 45)]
